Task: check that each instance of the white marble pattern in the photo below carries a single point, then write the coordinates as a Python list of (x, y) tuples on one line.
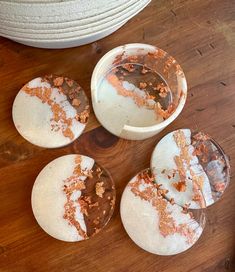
[(48, 198), (32, 118), (121, 110), (163, 158), (141, 222)]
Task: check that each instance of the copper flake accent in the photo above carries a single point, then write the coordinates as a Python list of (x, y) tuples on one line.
[(99, 189), (60, 121), (167, 225), (183, 164), (73, 184)]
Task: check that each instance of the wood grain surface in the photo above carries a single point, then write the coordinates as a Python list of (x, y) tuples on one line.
[(201, 36)]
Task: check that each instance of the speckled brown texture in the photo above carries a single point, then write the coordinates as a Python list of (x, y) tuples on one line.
[(96, 200), (99, 209), (147, 80), (164, 88), (74, 92), (208, 150)]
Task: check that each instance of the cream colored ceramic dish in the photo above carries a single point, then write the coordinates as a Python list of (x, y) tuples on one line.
[(74, 31)]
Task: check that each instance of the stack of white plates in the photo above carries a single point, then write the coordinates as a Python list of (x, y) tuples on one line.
[(64, 23)]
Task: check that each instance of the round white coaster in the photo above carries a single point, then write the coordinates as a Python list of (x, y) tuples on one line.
[(50, 111), (155, 224), (73, 198)]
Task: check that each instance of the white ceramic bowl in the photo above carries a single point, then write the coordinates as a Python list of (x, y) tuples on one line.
[(33, 9), (114, 114), (75, 40), (84, 23), (56, 11), (68, 43), (74, 32), (68, 33)]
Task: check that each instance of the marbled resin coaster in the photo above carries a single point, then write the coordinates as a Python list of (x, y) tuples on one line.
[(73, 198), (192, 167), (50, 111), (154, 223), (137, 90)]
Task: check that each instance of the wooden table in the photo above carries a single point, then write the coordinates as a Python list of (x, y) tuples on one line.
[(200, 35)]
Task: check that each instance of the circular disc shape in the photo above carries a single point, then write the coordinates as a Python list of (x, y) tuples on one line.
[(137, 90), (50, 111), (73, 198), (192, 167), (155, 224)]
